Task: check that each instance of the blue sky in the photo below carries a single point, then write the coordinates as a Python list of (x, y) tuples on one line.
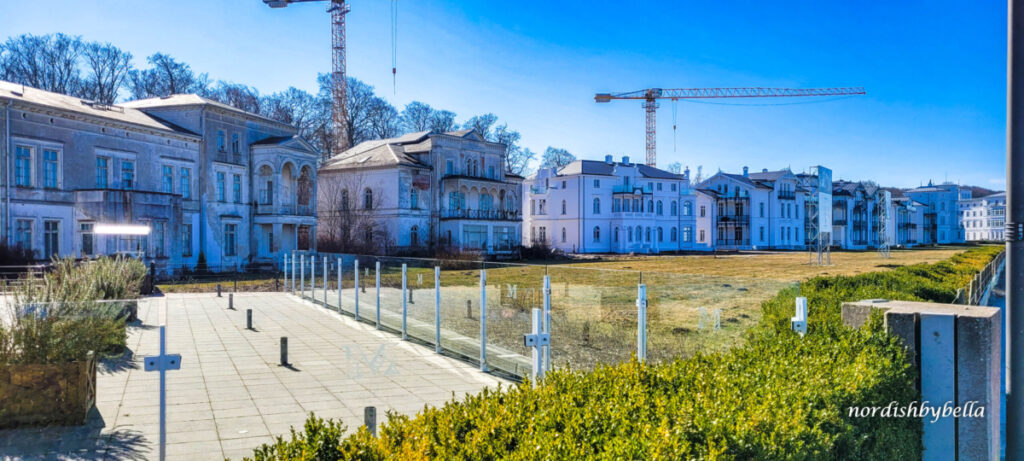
[(934, 71)]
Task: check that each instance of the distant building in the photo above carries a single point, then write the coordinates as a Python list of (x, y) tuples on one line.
[(421, 190), (984, 218), (184, 166), (757, 210), (590, 206), (942, 213)]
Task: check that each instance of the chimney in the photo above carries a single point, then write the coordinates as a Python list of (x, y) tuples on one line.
[(686, 173), (764, 170), (746, 172), (625, 159), (608, 159)]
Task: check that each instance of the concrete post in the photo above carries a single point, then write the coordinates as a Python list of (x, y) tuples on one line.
[(231, 301), (248, 319), (483, 320), (956, 349), (284, 351), (437, 309), (405, 306)]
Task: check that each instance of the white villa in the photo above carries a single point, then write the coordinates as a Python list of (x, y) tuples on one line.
[(755, 211), (590, 206), (984, 218)]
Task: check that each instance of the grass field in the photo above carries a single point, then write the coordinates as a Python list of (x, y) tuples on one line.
[(694, 302)]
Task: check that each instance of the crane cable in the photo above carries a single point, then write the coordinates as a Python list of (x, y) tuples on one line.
[(394, 46), (675, 118)]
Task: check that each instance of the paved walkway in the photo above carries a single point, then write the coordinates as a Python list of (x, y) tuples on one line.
[(231, 395)]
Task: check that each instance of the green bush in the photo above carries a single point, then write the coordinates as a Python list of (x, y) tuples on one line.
[(60, 317), (779, 396)]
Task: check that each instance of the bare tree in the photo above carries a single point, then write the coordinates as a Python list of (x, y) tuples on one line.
[(482, 124), (243, 97), (442, 121), (675, 167), (108, 68), (417, 116), (556, 157), (382, 120), (347, 215), (47, 62), (165, 77)]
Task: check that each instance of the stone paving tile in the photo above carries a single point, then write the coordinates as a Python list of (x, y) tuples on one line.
[(231, 395)]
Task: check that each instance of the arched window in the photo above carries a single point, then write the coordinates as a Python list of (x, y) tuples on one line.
[(639, 234), (675, 208), (661, 235), (660, 209), (414, 199), (597, 206), (687, 208), (266, 185), (305, 186), (368, 199), (672, 234), (344, 199), (597, 234), (650, 206), (637, 205), (648, 234), (629, 234), (469, 167), (563, 207), (563, 235), (414, 236)]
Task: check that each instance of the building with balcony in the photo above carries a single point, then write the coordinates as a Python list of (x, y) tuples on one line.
[(942, 214), (757, 210), (984, 218), (419, 191), (181, 165), (590, 206)]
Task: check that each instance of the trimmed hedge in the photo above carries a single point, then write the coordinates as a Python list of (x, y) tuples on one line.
[(778, 396)]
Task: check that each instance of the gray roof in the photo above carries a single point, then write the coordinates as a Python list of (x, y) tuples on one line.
[(769, 175), (390, 151), (597, 167), (185, 100), (746, 180), (120, 113)]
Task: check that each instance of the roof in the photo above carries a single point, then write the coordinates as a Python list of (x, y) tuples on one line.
[(745, 180), (597, 167), (769, 175), (119, 113), (191, 99), (391, 151), (293, 142)]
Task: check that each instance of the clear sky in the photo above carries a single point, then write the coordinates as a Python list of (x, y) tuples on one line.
[(934, 71)]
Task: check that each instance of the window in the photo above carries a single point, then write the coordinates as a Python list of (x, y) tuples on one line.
[(270, 242), (659, 186), (186, 240), (448, 167), (186, 182), (543, 235), (563, 235), (563, 184), (629, 234), (220, 142), (597, 234), (51, 169), (88, 239), (661, 235), (597, 183), (168, 179), (367, 199), (637, 205), (220, 186), (159, 233), (702, 235), (675, 208), (230, 231), (414, 236), (672, 234), (486, 202), (702, 211), (236, 188), (625, 205), (563, 206), (234, 143), (687, 234), (127, 174), (490, 172), (597, 206), (687, 208), (660, 210), (648, 234), (23, 166), (51, 231), (23, 233), (102, 172), (650, 206), (616, 205), (673, 187), (541, 205), (615, 235), (414, 199), (761, 229), (761, 206)]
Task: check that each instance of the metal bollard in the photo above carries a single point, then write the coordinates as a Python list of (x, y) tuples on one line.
[(218, 290), (284, 351), (437, 309), (248, 319), (370, 419), (231, 301), (469, 309), (405, 306), (355, 287)]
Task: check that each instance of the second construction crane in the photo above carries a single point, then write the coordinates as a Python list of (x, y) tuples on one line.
[(651, 96)]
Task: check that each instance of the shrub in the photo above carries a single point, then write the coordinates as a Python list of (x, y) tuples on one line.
[(779, 396)]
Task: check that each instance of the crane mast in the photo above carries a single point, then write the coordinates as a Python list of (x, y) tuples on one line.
[(651, 96)]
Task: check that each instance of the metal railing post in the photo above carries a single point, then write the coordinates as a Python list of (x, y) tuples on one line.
[(326, 273), (292, 284), (547, 322), (302, 276), (641, 323), (355, 287), (483, 320), (284, 268), (405, 307), (437, 309), (378, 294), (340, 267), (536, 317), (312, 278)]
